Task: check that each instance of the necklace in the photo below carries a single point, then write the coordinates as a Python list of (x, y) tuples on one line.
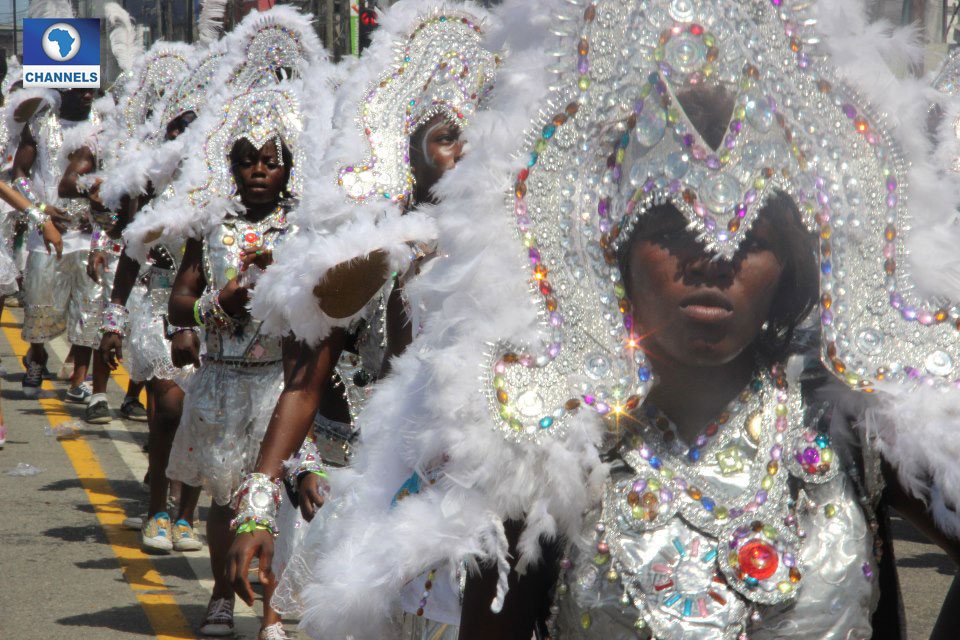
[(747, 402)]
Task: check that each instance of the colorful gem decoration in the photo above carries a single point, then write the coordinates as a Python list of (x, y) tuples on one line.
[(645, 503), (534, 393), (685, 579), (812, 458), (647, 451), (442, 68), (762, 562)]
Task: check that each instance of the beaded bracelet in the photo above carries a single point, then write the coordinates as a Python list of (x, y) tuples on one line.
[(257, 502), (171, 330), (307, 460), (208, 312), (115, 319), (35, 217)]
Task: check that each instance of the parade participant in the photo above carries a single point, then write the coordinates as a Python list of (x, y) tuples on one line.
[(446, 74), (151, 360), (253, 153), (292, 45), (668, 169), (58, 295), (102, 143)]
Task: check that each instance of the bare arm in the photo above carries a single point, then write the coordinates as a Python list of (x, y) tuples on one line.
[(25, 156), (81, 163), (125, 279), (306, 370), (188, 286)]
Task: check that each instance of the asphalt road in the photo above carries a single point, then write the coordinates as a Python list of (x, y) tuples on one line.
[(70, 570)]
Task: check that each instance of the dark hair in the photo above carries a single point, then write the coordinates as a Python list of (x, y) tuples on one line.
[(243, 148), (796, 250)]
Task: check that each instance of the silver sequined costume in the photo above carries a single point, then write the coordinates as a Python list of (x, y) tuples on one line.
[(58, 295), (231, 398)]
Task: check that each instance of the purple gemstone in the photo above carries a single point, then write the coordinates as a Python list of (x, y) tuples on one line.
[(776, 452), (639, 486), (713, 162), (688, 140), (604, 207), (909, 312), (761, 496), (849, 110), (583, 66), (896, 300), (811, 455), (789, 559)]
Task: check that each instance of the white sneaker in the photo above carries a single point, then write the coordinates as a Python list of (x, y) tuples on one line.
[(273, 632), (219, 618)]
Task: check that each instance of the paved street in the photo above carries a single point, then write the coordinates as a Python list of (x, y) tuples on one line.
[(71, 571)]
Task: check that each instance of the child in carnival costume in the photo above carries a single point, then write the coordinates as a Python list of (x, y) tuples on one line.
[(645, 454), (104, 145), (416, 89), (254, 154)]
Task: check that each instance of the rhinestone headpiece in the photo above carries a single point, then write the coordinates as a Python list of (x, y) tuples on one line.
[(274, 47), (190, 94), (441, 68), (619, 141), (162, 68), (259, 116)]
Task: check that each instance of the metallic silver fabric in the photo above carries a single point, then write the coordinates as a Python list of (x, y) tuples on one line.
[(60, 296)]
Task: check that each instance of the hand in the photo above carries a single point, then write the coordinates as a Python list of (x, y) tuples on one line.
[(312, 490), (262, 259), (96, 264), (185, 349), (57, 216), (245, 547), (234, 298), (111, 350), (93, 193), (52, 238)]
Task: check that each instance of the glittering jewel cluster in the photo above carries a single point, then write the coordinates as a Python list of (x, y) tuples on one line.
[(441, 69)]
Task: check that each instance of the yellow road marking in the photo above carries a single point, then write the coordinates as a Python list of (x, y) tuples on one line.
[(147, 583)]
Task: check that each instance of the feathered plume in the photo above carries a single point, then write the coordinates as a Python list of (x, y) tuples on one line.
[(210, 24), (50, 9), (125, 41)]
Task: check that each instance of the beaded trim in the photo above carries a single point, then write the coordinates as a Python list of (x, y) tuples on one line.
[(441, 68)]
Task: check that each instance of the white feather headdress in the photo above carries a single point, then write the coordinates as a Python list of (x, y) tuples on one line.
[(403, 77)]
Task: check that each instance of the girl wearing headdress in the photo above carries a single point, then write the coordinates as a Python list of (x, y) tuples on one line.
[(737, 356), (415, 92), (243, 207)]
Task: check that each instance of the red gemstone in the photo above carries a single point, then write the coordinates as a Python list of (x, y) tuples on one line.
[(758, 560)]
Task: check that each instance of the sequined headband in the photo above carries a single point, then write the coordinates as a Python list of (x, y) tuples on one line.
[(259, 116), (442, 68), (619, 141)]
